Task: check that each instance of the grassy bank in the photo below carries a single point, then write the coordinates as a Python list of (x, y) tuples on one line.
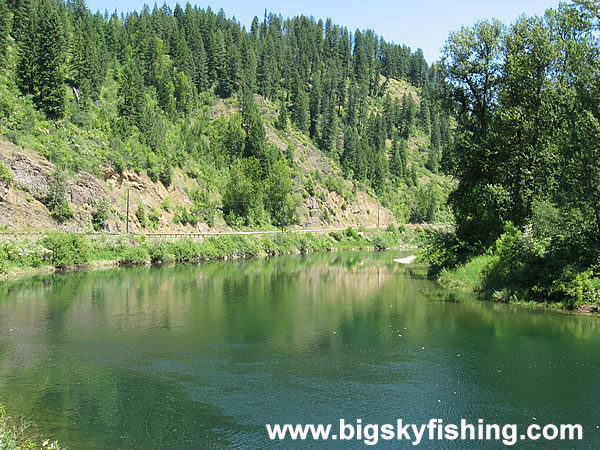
[(519, 268), (18, 434), (61, 251)]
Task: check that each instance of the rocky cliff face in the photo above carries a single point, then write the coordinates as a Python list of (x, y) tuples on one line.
[(23, 199)]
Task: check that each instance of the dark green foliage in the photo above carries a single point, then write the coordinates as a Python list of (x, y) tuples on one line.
[(140, 213), (56, 199), (49, 57), (426, 203), (254, 128), (281, 204), (204, 209), (442, 250), (184, 217), (243, 196), (131, 93), (67, 249), (282, 119), (526, 154), (6, 174), (301, 111), (5, 26), (100, 214), (134, 256)]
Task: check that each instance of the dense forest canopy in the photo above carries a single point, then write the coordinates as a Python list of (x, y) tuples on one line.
[(526, 102), (145, 79)]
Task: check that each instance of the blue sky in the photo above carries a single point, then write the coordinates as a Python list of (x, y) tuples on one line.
[(420, 24)]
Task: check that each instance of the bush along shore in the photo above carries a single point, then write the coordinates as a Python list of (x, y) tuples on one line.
[(64, 251), (20, 434), (522, 267)]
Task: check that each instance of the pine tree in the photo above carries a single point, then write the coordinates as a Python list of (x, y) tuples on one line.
[(5, 23), (316, 94), (215, 55), (425, 117), (22, 18), (230, 80), (131, 93), (282, 120), (184, 93), (301, 108), (409, 115), (248, 57), (350, 154), (27, 38), (50, 53), (254, 128), (328, 125), (398, 160)]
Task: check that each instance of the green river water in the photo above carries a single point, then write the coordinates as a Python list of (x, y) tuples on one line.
[(205, 356)]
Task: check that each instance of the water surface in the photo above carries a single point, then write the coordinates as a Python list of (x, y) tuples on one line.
[(205, 356)]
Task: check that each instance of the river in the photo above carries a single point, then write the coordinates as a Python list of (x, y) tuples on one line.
[(205, 356)]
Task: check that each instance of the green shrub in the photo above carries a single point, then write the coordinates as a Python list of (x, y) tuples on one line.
[(351, 233), (140, 213), (100, 214), (441, 250), (166, 204), (109, 246), (67, 249), (24, 253), (337, 235), (17, 435), (160, 252), (184, 217), (134, 256), (309, 185), (471, 276), (56, 199), (154, 218), (184, 250), (62, 212), (3, 261), (383, 241), (6, 174), (202, 209)]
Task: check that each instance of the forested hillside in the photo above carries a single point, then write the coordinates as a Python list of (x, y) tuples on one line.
[(228, 116)]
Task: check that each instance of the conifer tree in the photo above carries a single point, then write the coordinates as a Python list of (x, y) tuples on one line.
[(131, 93), (254, 128), (5, 23), (282, 120), (27, 38), (350, 154), (301, 108), (50, 52)]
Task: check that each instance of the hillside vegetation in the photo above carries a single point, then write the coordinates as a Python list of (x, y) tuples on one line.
[(210, 125)]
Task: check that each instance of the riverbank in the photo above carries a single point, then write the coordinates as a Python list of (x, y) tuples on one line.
[(54, 251), (473, 278), (20, 434)]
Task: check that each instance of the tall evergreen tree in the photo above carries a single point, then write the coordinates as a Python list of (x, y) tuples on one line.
[(50, 53), (254, 128), (5, 25)]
